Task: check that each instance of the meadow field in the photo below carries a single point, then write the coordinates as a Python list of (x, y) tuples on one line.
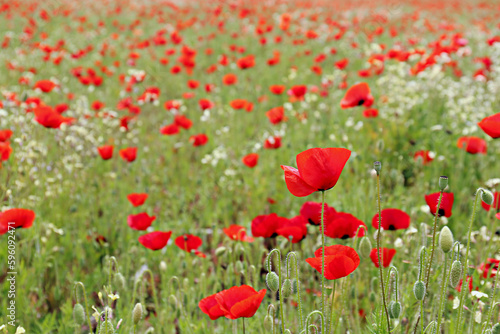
[(268, 166)]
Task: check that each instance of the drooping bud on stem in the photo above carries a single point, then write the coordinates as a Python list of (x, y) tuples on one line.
[(79, 314), (137, 313), (443, 182), (365, 247), (456, 273), (272, 281), (487, 196), (446, 239), (377, 165)]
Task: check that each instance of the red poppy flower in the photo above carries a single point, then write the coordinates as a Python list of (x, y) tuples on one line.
[(266, 225), (312, 212), (251, 160), (128, 154), (205, 104), (498, 215), (45, 86), (472, 145), (155, 240), (210, 307), (47, 117), (183, 121), (489, 267), (298, 91), (140, 221), (190, 243), (341, 64), (229, 79), (370, 113), (170, 130), (272, 143), (491, 125), (467, 279), (237, 232), (5, 151), (276, 115), (199, 140), (240, 301), (446, 203), (277, 89), (496, 202), (357, 95), (343, 225), (340, 261), (386, 255), (424, 156), (392, 219), (16, 218), (106, 151), (318, 170), (246, 62), (5, 135), (97, 105), (137, 199), (295, 228)]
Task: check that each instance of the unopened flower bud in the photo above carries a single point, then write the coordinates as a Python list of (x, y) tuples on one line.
[(419, 290), (79, 314), (389, 309), (456, 273), (487, 197), (220, 251), (107, 328), (446, 239), (286, 289), (120, 281), (172, 300), (268, 323), (137, 313), (377, 166), (496, 329), (272, 281), (372, 297), (396, 309), (443, 182), (295, 286), (365, 247), (239, 266)]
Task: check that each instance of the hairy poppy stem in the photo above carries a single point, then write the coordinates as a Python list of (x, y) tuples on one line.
[(323, 252), (492, 298), (331, 309), (466, 263), (243, 320), (379, 252), (85, 300), (444, 284), (282, 312)]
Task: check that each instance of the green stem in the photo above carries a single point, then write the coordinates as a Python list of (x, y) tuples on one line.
[(152, 282), (433, 246), (379, 252), (298, 284), (85, 300), (342, 300), (444, 284), (243, 325), (282, 312), (331, 308), (492, 299), (323, 252), (466, 264), (421, 314)]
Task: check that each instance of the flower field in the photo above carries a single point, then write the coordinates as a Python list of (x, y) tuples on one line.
[(302, 166)]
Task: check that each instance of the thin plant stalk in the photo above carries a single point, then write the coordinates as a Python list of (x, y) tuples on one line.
[(379, 252), (323, 252), (331, 308), (433, 246), (444, 284), (282, 312)]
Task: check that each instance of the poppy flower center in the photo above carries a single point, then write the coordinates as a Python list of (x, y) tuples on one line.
[(392, 228), (441, 212), (345, 236), (361, 102)]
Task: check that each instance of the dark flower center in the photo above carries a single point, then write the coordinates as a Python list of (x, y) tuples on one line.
[(361, 102), (345, 236), (441, 212), (392, 228)]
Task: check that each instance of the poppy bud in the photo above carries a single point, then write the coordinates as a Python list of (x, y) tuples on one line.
[(219, 251), (286, 289), (268, 323), (456, 273), (272, 281), (377, 166), (443, 182), (295, 286), (446, 239), (496, 329), (239, 250), (419, 290), (396, 309), (172, 300), (372, 297), (365, 247), (239, 266), (137, 313), (79, 314), (487, 196), (107, 328), (163, 266), (120, 281), (389, 309)]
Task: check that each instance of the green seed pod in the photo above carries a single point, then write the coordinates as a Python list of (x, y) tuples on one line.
[(456, 273), (295, 286), (396, 309), (365, 247), (446, 239), (106, 328), (268, 323), (377, 165), (137, 313), (389, 309), (443, 182), (496, 329), (120, 281), (286, 289), (487, 197), (79, 314), (419, 290), (272, 281)]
